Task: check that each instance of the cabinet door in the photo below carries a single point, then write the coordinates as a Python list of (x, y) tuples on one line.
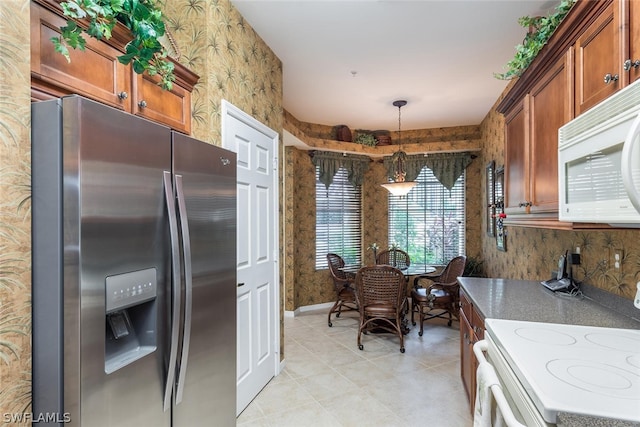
[(467, 359), (172, 108), (516, 162), (634, 38), (477, 325), (598, 54), (94, 72), (465, 305), (550, 108)]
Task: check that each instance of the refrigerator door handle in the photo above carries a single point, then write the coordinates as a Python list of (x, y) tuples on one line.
[(175, 287), (186, 250)]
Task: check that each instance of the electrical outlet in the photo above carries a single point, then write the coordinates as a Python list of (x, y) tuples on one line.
[(636, 300), (615, 258)]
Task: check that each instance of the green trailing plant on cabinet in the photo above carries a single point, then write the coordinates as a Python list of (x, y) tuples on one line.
[(541, 29), (142, 17), (365, 137)]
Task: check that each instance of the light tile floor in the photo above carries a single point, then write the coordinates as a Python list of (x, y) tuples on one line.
[(327, 381)]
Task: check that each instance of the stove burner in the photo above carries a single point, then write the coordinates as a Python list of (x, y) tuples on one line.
[(634, 360), (614, 341), (545, 336), (597, 378)]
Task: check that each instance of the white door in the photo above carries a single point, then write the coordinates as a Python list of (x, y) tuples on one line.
[(258, 326)]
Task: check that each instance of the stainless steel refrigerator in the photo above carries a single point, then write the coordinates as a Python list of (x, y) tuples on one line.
[(134, 271)]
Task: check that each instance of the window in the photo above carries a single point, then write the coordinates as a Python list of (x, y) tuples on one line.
[(429, 221), (338, 213)]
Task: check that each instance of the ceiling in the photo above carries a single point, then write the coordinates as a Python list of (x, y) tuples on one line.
[(345, 62)]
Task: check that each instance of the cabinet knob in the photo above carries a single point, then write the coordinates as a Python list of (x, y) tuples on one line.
[(123, 95), (142, 104), (608, 78), (628, 64)]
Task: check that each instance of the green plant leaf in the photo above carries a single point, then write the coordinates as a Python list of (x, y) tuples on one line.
[(60, 47), (142, 17), (544, 27), (138, 67), (126, 59), (73, 10)]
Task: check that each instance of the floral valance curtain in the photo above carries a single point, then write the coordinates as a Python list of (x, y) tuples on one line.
[(446, 167), (329, 162)]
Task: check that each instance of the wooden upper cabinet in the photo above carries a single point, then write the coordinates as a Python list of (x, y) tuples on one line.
[(549, 108), (96, 73), (566, 79), (633, 59), (599, 52), (516, 159), (531, 149), (172, 108)]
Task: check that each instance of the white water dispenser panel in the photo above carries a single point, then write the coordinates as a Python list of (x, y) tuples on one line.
[(131, 318)]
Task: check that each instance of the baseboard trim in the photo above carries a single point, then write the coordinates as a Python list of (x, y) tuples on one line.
[(307, 308)]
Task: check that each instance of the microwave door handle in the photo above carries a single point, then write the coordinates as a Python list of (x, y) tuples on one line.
[(626, 168), (175, 287)]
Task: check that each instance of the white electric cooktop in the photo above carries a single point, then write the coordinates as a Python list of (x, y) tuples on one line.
[(581, 370)]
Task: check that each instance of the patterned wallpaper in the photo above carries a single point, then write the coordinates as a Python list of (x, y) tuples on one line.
[(15, 209), (409, 136), (311, 286), (532, 253), (215, 42), (234, 64), (232, 61)]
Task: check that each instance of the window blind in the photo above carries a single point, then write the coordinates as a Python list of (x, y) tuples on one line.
[(338, 220), (429, 222)]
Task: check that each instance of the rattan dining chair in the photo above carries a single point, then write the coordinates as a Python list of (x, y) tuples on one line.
[(441, 298), (343, 283), (399, 259), (394, 257), (380, 294)]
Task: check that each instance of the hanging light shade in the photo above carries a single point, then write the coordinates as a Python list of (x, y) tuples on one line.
[(399, 186)]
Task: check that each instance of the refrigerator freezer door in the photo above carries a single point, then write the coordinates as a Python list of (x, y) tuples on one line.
[(208, 385), (114, 223), (114, 164)]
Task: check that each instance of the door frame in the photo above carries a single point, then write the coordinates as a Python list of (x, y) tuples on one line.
[(229, 110)]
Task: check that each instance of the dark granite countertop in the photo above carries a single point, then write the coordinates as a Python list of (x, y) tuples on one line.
[(530, 301)]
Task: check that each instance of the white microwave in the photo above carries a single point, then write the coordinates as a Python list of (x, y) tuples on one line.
[(599, 162)]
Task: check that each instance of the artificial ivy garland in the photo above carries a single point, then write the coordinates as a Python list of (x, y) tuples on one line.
[(543, 27), (142, 17)]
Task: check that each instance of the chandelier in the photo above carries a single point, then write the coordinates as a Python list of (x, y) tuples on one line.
[(399, 187)]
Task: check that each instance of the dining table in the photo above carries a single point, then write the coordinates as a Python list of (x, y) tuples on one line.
[(412, 270)]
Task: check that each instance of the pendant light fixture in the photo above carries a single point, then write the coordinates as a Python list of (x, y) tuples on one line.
[(399, 187)]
